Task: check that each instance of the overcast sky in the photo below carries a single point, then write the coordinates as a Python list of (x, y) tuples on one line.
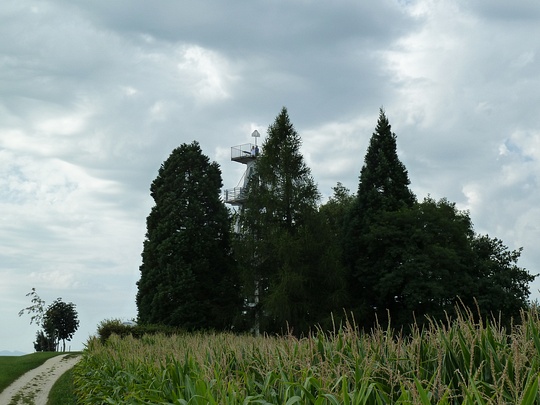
[(94, 96)]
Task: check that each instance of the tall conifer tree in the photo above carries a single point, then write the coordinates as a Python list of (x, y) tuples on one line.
[(384, 181), (187, 269), (281, 244), (383, 188)]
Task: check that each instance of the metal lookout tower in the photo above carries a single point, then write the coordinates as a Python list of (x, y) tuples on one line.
[(246, 154)]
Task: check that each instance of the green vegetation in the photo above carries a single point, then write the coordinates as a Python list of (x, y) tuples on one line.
[(12, 367), (59, 322), (379, 254), (187, 274), (108, 327), (410, 258), (374, 248), (62, 392), (288, 268), (459, 362)]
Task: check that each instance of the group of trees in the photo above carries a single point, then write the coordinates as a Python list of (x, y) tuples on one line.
[(294, 264), (59, 322), (412, 258)]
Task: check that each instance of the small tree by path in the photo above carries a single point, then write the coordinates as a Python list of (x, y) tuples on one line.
[(37, 308), (59, 322)]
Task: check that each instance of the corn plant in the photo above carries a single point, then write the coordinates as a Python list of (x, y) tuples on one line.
[(460, 361)]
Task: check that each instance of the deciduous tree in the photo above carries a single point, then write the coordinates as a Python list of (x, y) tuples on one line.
[(433, 274), (502, 287), (37, 308), (336, 210), (61, 322)]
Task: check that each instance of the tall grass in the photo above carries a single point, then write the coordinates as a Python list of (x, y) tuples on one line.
[(458, 362)]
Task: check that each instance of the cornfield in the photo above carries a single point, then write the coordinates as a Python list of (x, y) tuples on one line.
[(455, 362)]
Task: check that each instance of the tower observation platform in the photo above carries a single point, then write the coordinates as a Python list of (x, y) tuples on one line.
[(245, 154)]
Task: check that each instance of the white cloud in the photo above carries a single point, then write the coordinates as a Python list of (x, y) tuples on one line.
[(207, 73), (528, 143), (524, 59), (335, 151), (473, 193), (432, 65), (60, 279), (66, 125)]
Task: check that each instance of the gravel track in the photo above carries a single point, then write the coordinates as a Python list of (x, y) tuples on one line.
[(34, 386)]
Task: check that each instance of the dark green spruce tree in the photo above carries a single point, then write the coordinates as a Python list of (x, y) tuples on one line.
[(187, 272), (372, 251), (280, 248)]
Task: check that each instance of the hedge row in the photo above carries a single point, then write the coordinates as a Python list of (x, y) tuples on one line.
[(110, 327)]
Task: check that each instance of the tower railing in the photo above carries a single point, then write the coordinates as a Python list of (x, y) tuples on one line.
[(235, 196), (243, 153)]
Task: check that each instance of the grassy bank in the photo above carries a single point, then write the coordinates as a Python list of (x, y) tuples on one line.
[(462, 362), (12, 367), (62, 392)]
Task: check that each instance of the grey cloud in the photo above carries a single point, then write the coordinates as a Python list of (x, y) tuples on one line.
[(503, 11), (101, 92), (254, 25)]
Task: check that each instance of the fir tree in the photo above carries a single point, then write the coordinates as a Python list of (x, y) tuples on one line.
[(384, 181), (383, 188)]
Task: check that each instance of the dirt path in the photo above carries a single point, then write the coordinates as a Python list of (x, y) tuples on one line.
[(34, 386)]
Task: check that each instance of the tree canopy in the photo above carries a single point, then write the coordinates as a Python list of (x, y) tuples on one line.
[(59, 322), (295, 264), (374, 243), (501, 285), (284, 260), (187, 273), (407, 259), (384, 181)]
